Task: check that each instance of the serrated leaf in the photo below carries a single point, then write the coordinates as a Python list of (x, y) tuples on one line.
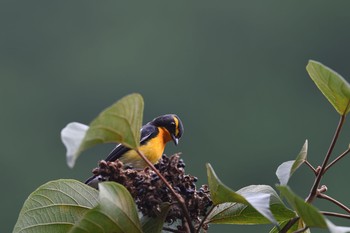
[(236, 213), (308, 213), (220, 193), (286, 169), (333, 86), (55, 207), (119, 123), (116, 212), (155, 225)]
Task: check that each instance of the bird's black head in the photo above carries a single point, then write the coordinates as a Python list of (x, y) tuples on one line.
[(172, 124)]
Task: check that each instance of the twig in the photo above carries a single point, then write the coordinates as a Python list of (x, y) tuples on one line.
[(205, 218), (338, 203), (289, 225), (337, 159), (301, 230), (311, 167), (335, 214), (172, 230), (313, 191), (177, 196)]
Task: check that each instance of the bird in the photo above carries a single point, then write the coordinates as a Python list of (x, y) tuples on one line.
[(154, 136)]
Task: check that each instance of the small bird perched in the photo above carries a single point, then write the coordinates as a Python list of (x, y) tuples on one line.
[(154, 136)]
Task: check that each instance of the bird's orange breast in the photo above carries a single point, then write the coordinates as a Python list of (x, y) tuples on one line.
[(153, 150)]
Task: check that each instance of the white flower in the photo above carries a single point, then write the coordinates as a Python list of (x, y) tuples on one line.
[(72, 136)]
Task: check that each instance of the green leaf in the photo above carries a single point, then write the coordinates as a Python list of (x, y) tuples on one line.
[(236, 213), (55, 207), (120, 123), (116, 212), (219, 192), (155, 225), (286, 169), (252, 196), (308, 213), (297, 226), (333, 86)]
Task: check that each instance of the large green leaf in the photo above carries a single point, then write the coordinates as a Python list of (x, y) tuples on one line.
[(55, 207), (119, 123), (256, 197), (116, 212), (155, 225), (286, 169), (219, 192), (236, 213), (308, 213), (333, 86)]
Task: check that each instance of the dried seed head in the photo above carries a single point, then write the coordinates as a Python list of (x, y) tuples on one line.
[(149, 191)]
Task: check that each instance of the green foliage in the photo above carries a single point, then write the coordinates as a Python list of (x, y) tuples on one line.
[(299, 225), (309, 214), (250, 205), (286, 169), (55, 207), (70, 206), (119, 123), (333, 86), (155, 225), (220, 193), (237, 213), (115, 212)]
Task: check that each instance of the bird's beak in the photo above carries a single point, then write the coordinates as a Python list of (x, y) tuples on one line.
[(175, 139)]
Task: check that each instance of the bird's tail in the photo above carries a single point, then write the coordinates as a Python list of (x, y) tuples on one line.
[(93, 181)]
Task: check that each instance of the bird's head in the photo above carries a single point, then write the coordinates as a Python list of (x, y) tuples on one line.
[(172, 124)]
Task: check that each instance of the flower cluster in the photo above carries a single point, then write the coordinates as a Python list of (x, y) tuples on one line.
[(149, 191)]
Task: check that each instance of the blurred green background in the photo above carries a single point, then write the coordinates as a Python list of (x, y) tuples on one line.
[(234, 71)]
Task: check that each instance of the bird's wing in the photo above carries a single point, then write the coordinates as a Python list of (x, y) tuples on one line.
[(117, 152), (148, 131)]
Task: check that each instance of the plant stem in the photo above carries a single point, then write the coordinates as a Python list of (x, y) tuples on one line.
[(311, 167), (313, 191), (289, 225), (177, 196), (338, 203), (337, 159), (301, 230), (205, 218), (172, 230), (335, 214)]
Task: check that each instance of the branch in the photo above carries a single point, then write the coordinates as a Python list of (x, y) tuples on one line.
[(172, 230), (205, 218), (311, 167), (301, 230), (337, 159), (313, 191), (289, 225), (335, 214), (338, 203), (177, 196)]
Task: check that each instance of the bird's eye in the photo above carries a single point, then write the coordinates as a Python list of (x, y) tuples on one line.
[(172, 123)]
